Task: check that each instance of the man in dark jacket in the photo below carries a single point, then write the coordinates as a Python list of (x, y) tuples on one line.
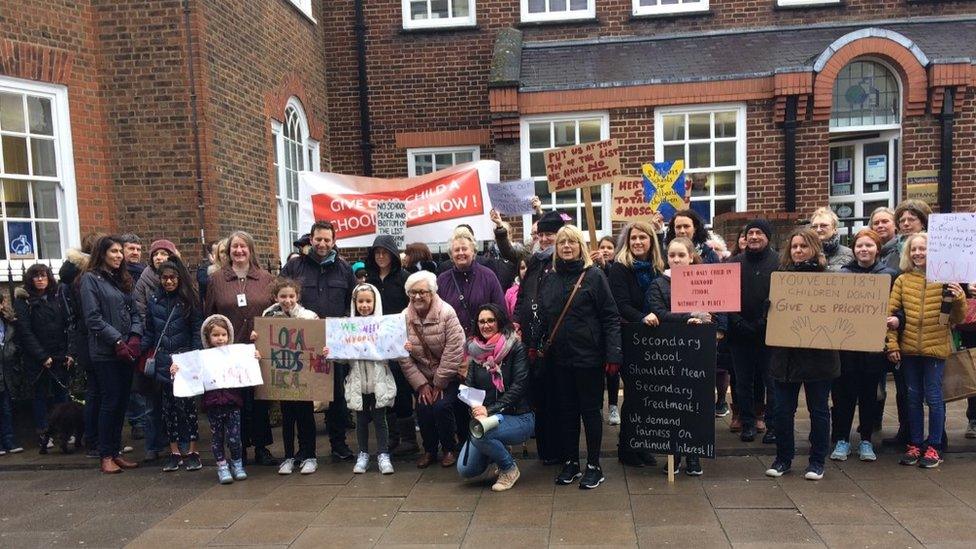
[(138, 410), (327, 283), (747, 328)]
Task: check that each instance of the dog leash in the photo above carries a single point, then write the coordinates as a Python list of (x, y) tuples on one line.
[(63, 386)]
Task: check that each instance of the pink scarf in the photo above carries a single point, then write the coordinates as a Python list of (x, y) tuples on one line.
[(490, 354)]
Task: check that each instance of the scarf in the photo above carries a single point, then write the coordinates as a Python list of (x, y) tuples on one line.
[(329, 259), (490, 354), (831, 244), (808, 266), (645, 274)]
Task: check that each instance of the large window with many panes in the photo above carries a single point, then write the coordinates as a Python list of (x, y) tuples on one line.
[(712, 142), (295, 152), (38, 211), (539, 134), (425, 161)]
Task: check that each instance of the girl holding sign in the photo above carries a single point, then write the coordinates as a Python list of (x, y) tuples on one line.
[(681, 252), (370, 388), (922, 347), (814, 369)]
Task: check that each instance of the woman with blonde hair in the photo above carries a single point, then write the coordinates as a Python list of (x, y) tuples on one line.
[(580, 343)]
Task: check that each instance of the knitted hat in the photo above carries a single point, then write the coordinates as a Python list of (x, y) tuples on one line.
[(358, 266), (163, 244), (550, 222), (762, 225)]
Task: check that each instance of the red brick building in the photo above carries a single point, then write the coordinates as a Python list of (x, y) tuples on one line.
[(781, 104)]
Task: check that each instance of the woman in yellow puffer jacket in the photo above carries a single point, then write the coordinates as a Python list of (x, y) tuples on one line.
[(922, 346)]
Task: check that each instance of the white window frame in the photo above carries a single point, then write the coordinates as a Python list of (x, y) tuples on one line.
[(430, 23), (565, 15), (70, 231), (693, 7), (872, 127), (741, 148), (526, 166), (859, 197), (310, 150), (305, 7), (792, 3), (475, 151)]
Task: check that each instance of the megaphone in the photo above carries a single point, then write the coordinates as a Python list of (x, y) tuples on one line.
[(481, 425)]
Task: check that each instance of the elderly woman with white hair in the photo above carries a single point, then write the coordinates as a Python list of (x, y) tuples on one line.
[(468, 284), (436, 345), (824, 222)]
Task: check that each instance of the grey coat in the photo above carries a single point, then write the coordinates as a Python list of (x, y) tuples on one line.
[(109, 313)]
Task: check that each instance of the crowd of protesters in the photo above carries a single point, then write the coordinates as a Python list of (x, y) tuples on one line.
[(535, 325)]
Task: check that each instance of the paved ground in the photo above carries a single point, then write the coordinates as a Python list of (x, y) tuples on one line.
[(62, 501)]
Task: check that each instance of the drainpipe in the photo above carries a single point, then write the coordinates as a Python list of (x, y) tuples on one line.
[(366, 143), (947, 118), (195, 124), (789, 140)]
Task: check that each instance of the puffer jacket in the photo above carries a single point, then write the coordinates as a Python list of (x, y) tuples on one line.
[(795, 365), (110, 315), (589, 336), (75, 262), (145, 287), (627, 292), (443, 335), (219, 398), (43, 332), (515, 375), (369, 376), (326, 287), (9, 364), (921, 300), (182, 334)]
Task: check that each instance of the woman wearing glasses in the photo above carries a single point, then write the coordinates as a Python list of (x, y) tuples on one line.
[(436, 345)]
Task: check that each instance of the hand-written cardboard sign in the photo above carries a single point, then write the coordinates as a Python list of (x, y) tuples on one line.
[(835, 311), (292, 361), (669, 377), (391, 219), (366, 337), (227, 367), (582, 165), (665, 187), (512, 197), (706, 288), (952, 248), (627, 201)]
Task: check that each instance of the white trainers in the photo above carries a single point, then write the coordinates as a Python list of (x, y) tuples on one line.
[(287, 467), (506, 479), (613, 418), (309, 466), (384, 462), (16, 450), (71, 439), (362, 463), (50, 443)]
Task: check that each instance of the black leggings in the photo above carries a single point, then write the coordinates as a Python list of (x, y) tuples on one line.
[(579, 395), (613, 389), (298, 415)]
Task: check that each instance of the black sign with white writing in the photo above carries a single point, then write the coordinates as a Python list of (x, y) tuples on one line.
[(669, 382)]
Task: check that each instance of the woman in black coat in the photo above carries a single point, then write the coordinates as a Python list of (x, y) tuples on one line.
[(499, 367), (45, 342), (637, 264), (578, 351)]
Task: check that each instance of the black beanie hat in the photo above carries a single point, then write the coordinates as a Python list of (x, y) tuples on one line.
[(763, 226), (550, 222)]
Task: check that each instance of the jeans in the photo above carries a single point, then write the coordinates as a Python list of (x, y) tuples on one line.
[(136, 410), (47, 394), (115, 382), (93, 402), (437, 422), (6, 420), (787, 396), (751, 362), (477, 453), (923, 376), (153, 423)]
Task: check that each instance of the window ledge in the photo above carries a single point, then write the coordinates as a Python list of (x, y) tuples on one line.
[(811, 6), (440, 30), (307, 15), (555, 22), (671, 15)]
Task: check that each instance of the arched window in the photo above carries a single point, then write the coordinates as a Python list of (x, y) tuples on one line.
[(294, 152), (865, 95)]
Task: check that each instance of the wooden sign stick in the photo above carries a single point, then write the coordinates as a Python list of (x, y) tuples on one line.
[(590, 217), (670, 469)]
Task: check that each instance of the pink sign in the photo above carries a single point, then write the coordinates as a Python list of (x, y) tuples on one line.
[(710, 288)]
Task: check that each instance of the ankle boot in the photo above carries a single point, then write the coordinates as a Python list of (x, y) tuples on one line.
[(109, 467), (125, 464), (408, 438), (735, 425), (761, 418)]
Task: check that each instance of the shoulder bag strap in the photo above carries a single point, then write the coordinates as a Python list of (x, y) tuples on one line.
[(423, 343), (562, 315), (159, 341)]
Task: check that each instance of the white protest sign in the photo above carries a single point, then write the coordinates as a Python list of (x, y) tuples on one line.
[(227, 367), (366, 337), (512, 197), (391, 220), (952, 248)]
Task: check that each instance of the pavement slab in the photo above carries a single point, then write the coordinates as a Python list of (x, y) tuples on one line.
[(265, 528), (593, 528), (867, 536), (767, 526), (426, 528)]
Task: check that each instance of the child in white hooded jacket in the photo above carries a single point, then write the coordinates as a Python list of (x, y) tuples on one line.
[(370, 388)]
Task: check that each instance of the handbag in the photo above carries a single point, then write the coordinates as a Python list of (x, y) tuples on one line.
[(959, 376), (969, 323), (562, 315), (147, 362)]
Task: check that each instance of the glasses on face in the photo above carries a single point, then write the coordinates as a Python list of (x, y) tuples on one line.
[(817, 226), (486, 321), (39, 276), (416, 294), (169, 278)]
